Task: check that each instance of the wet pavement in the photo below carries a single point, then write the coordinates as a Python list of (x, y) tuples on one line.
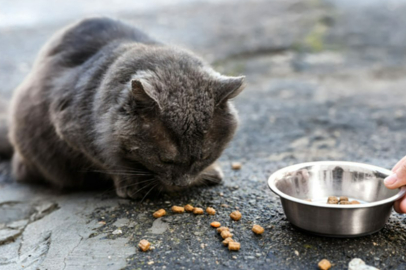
[(326, 81)]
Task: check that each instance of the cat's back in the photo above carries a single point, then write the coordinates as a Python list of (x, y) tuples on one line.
[(71, 64), (77, 43)]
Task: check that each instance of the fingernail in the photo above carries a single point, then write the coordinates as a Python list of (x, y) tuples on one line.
[(391, 179)]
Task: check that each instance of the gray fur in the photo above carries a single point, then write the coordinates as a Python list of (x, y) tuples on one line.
[(106, 102)]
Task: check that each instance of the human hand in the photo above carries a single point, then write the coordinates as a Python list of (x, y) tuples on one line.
[(397, 180)]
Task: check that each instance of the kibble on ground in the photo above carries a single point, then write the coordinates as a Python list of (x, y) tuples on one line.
[(144, 245), (221, 229), (215, 224), (257, 229), (324, 264), (236, 215), (210, 211), (234, 246), (198, 211), (226, 234), (189, 208), (227, 241), (159, 213), (236, 165), (178, 209)]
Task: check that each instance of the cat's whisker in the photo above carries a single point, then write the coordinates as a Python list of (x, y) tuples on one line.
[(137, 172), (148, 192), (131, 169), (142, 182), (106, 191), (146, 186), (128, 174), (126, 171), (121, 180), (137, 183), (128, 168), (114, 172), (123, 173), (119, 168), (203, 183)]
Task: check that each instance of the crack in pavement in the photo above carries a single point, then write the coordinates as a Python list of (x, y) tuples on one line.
[(15, 229), (70, 252), (32, 258)]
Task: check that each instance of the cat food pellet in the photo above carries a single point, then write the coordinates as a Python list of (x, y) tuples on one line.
[(144, 245), (226, 234), (234, 246), (215, 224), (309, 200), (332, 200), (210, 211), (324, 264), (236, 165), (236, 215), (221, 229), (178, 209), (355, 202), (189, 208), (198, 211), (227, 241), (159, 213), (343, 198), (345, 202), (257, 229)]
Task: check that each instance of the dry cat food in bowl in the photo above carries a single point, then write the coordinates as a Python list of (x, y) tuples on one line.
[(362, 184)]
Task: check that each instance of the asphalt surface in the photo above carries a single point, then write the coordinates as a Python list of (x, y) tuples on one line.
[(326, 81)]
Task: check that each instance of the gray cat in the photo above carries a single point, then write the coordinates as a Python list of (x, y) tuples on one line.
[(106, 102)]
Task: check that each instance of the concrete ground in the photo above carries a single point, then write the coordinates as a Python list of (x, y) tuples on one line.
[(326, 81)]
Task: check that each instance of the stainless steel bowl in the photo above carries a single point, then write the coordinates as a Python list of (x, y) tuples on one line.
[(318, 180)]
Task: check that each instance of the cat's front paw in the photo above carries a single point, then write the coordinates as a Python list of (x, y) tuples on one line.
[(130, 189), (212, 175)]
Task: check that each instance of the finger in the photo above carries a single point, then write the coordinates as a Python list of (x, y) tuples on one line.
[(391, 181), (400, 206), (396, 206), (401, 174), (403, 160), (397, 179)]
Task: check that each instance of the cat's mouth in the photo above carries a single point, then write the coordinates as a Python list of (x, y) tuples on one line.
[(177, 184)]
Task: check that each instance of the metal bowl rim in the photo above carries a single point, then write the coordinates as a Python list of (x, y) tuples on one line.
[(272, 186)]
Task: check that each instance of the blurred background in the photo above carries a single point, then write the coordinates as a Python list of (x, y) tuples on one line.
[(345, 32)]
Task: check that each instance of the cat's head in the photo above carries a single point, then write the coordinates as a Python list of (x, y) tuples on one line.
[(177, 119)]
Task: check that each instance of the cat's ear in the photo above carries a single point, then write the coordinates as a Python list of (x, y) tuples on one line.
[(144, 92), (229, 87)]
